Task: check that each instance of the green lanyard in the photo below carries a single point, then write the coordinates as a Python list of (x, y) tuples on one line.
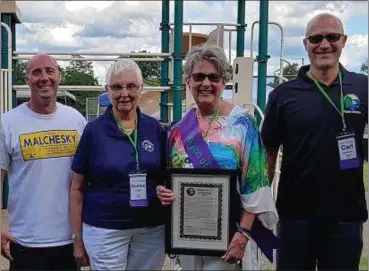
[(341, 112), (133, 142), (215, 116)]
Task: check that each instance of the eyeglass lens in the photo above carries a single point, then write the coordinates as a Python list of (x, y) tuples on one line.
[(315, 39)]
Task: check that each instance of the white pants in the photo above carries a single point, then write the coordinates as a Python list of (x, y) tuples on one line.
[(189, 262), (249, 261), (132, 249)]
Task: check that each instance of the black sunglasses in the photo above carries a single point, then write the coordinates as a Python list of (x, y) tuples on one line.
[(315, 39), (213, 77)]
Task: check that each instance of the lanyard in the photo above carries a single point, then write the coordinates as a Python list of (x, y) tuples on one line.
[(341, 112), (133, 141), (215, 116)]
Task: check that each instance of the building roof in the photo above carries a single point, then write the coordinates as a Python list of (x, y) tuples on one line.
[(10, 7)]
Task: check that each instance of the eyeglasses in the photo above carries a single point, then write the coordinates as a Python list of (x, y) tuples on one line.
[(213, 77), (316, 39), (131, 88)]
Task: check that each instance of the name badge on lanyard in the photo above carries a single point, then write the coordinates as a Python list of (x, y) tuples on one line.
[(345, 140), (348, 151), (138, 190), (137, 178)]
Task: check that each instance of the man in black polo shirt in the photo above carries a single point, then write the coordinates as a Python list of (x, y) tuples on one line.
[(319, 119)]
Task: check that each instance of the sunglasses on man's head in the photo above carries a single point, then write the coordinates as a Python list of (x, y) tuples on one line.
[(315, 39), (213, 77)]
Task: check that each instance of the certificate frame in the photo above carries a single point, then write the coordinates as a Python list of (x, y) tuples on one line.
[(219, 185)]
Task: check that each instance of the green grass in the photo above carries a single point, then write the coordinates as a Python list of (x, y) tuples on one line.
[(366, 176), (364, 260), (364, 255)]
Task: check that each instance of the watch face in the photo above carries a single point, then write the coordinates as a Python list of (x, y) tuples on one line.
[(75, 236)]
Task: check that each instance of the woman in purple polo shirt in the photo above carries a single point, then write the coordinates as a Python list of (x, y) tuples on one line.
[(116, 216), (228, 136)]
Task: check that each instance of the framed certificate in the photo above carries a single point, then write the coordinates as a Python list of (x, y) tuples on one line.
[(203, 217)]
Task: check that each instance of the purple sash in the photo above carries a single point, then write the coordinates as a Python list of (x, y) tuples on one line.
[(195, 146), (200, 156)]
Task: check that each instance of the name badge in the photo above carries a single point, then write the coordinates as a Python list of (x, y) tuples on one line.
[(138, 192), (347, 151)]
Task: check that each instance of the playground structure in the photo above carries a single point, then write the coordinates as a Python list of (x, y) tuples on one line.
[(175, 98)]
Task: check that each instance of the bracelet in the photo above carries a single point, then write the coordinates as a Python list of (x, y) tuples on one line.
[(77, 236), (245, 232)]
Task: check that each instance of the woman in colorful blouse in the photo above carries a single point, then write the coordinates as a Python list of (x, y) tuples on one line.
[(231, 137)]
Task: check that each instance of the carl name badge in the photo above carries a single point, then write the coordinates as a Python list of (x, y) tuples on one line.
[(347, 151)]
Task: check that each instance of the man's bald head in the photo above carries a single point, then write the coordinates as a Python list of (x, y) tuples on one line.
[(36, 57), (323, 16)]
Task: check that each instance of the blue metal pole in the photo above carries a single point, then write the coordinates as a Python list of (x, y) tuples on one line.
[(5, 18), (177, 59), (241, 28), (262, 58), (164, 27)]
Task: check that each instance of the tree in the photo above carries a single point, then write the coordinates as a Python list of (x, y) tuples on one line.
[(150, 70), (364, 66), (290, 72), (80, 73), (20, 72), (77, 73)]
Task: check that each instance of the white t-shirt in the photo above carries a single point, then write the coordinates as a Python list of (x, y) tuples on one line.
[(37, 151)]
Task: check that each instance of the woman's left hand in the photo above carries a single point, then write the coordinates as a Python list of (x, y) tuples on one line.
[(236, 249)]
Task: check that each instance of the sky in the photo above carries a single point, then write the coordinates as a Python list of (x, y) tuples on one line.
[(125, 26)]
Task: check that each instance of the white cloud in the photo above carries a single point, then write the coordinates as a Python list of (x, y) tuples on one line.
[(356, 51), (359, 41), (125, 26), (65, 36), (79, 5)]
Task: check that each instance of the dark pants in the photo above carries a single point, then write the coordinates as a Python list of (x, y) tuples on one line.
[(307, 245), (46, 258)]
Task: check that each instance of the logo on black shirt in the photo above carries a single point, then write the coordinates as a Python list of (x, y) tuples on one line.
[(352, 103)]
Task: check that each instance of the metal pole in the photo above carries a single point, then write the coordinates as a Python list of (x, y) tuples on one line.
[(241, 28), (262, 58), (229, 46), (144, 59), (164, 27), (3, 193), (177, 59), (1, 71), (19, 53)]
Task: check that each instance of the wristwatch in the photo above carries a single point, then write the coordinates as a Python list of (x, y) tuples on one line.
[(76, 236)]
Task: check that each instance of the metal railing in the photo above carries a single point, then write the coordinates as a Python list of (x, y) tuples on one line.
[(231, 28), (279, 72), (93, 88), (282, 42), (149, 57)]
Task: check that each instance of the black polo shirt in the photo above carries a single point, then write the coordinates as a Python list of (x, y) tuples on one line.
[(300, 118)]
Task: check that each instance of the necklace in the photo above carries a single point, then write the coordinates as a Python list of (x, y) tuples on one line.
[(124, 130), (211, 120), (127, 130)]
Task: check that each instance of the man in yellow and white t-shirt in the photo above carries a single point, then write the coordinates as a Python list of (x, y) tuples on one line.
[(38, 142)]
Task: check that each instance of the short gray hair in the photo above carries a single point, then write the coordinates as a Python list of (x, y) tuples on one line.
[(212, 54), (124, 64), (323, 16)]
